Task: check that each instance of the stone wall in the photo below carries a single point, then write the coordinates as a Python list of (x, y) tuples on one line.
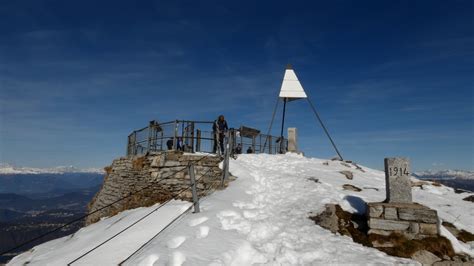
[(413, 220), (156, 178)]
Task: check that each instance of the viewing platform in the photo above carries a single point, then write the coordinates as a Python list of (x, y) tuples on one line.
[(198, 137)]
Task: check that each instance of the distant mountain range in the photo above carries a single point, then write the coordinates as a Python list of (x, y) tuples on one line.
[(6, 168), (36, 200), (445, 174)]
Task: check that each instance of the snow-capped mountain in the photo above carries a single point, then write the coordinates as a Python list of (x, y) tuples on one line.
[(445, 174), (6, 168), (260, 218)]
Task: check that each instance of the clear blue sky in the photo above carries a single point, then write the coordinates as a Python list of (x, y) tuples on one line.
[(390, 78)]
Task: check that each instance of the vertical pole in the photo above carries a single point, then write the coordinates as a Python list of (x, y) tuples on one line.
[(225, 172), (253, 145), (128, 144), (134, 143), (161, 140), (283, 124), (269, 144), (230, 145), (283, 119), (198, 140), (149, 137), (175, 135), (193, 188), (192, 136)]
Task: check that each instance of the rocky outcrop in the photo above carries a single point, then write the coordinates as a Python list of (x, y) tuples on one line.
[(137, 181), (429, 250)]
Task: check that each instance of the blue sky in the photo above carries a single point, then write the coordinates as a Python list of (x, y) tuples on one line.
[(389, 78)]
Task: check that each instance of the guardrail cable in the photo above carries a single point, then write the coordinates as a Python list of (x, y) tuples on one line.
[(174, 220), (97, 210), (140, 219)]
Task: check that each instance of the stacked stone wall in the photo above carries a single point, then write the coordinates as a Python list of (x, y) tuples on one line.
[(157, 179), (413, 220)]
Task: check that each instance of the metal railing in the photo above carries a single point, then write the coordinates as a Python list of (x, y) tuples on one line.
[(198, 136)]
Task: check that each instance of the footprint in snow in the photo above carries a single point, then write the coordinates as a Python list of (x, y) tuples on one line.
[(176, 242), (177, 259), (150, 260), (203, 232), (229, 213), (197, 221), (244, 205), (231, 220), (250, 214)]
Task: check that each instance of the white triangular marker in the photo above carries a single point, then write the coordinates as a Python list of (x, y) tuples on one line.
[(291, 86)]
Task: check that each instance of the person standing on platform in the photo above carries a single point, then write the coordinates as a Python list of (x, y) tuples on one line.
[(219, 128)]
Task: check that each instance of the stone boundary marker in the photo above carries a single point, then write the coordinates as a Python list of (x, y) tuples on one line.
[(398, 213), (397, 180)]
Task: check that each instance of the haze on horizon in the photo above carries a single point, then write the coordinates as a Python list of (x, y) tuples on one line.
[(389, 78)]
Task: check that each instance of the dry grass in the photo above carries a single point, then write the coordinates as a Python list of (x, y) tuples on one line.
[(465, 236), (403, 247), (461, 235), (108, 170), (146, 198), (469, 198), (346, 226), (139, 163)]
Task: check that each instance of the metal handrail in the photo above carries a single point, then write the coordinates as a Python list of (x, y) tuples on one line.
[(188, 133)]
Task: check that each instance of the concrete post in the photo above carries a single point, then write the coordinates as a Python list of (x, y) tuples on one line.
[(397, 180), (225, 166), (198, 140), (193, 188), (292, 140)]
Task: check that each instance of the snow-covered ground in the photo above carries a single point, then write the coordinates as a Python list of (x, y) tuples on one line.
[(261, 218)]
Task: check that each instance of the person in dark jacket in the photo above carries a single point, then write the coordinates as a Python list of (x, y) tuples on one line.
[(238, 149), (219, 128), (169, 144), (249, 150)]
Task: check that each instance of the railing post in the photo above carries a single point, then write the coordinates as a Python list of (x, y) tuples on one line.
[(253, 145), (198, 140), (269, 144), (175, 136), (192, 136), (128, 145), (193, 188), (149, 137), (161, 140), (230, 146), (134, 143), (225, 166)]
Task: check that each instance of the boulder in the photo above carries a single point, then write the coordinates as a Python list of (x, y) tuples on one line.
[(425, 257), (351, 187), (347, 174)]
